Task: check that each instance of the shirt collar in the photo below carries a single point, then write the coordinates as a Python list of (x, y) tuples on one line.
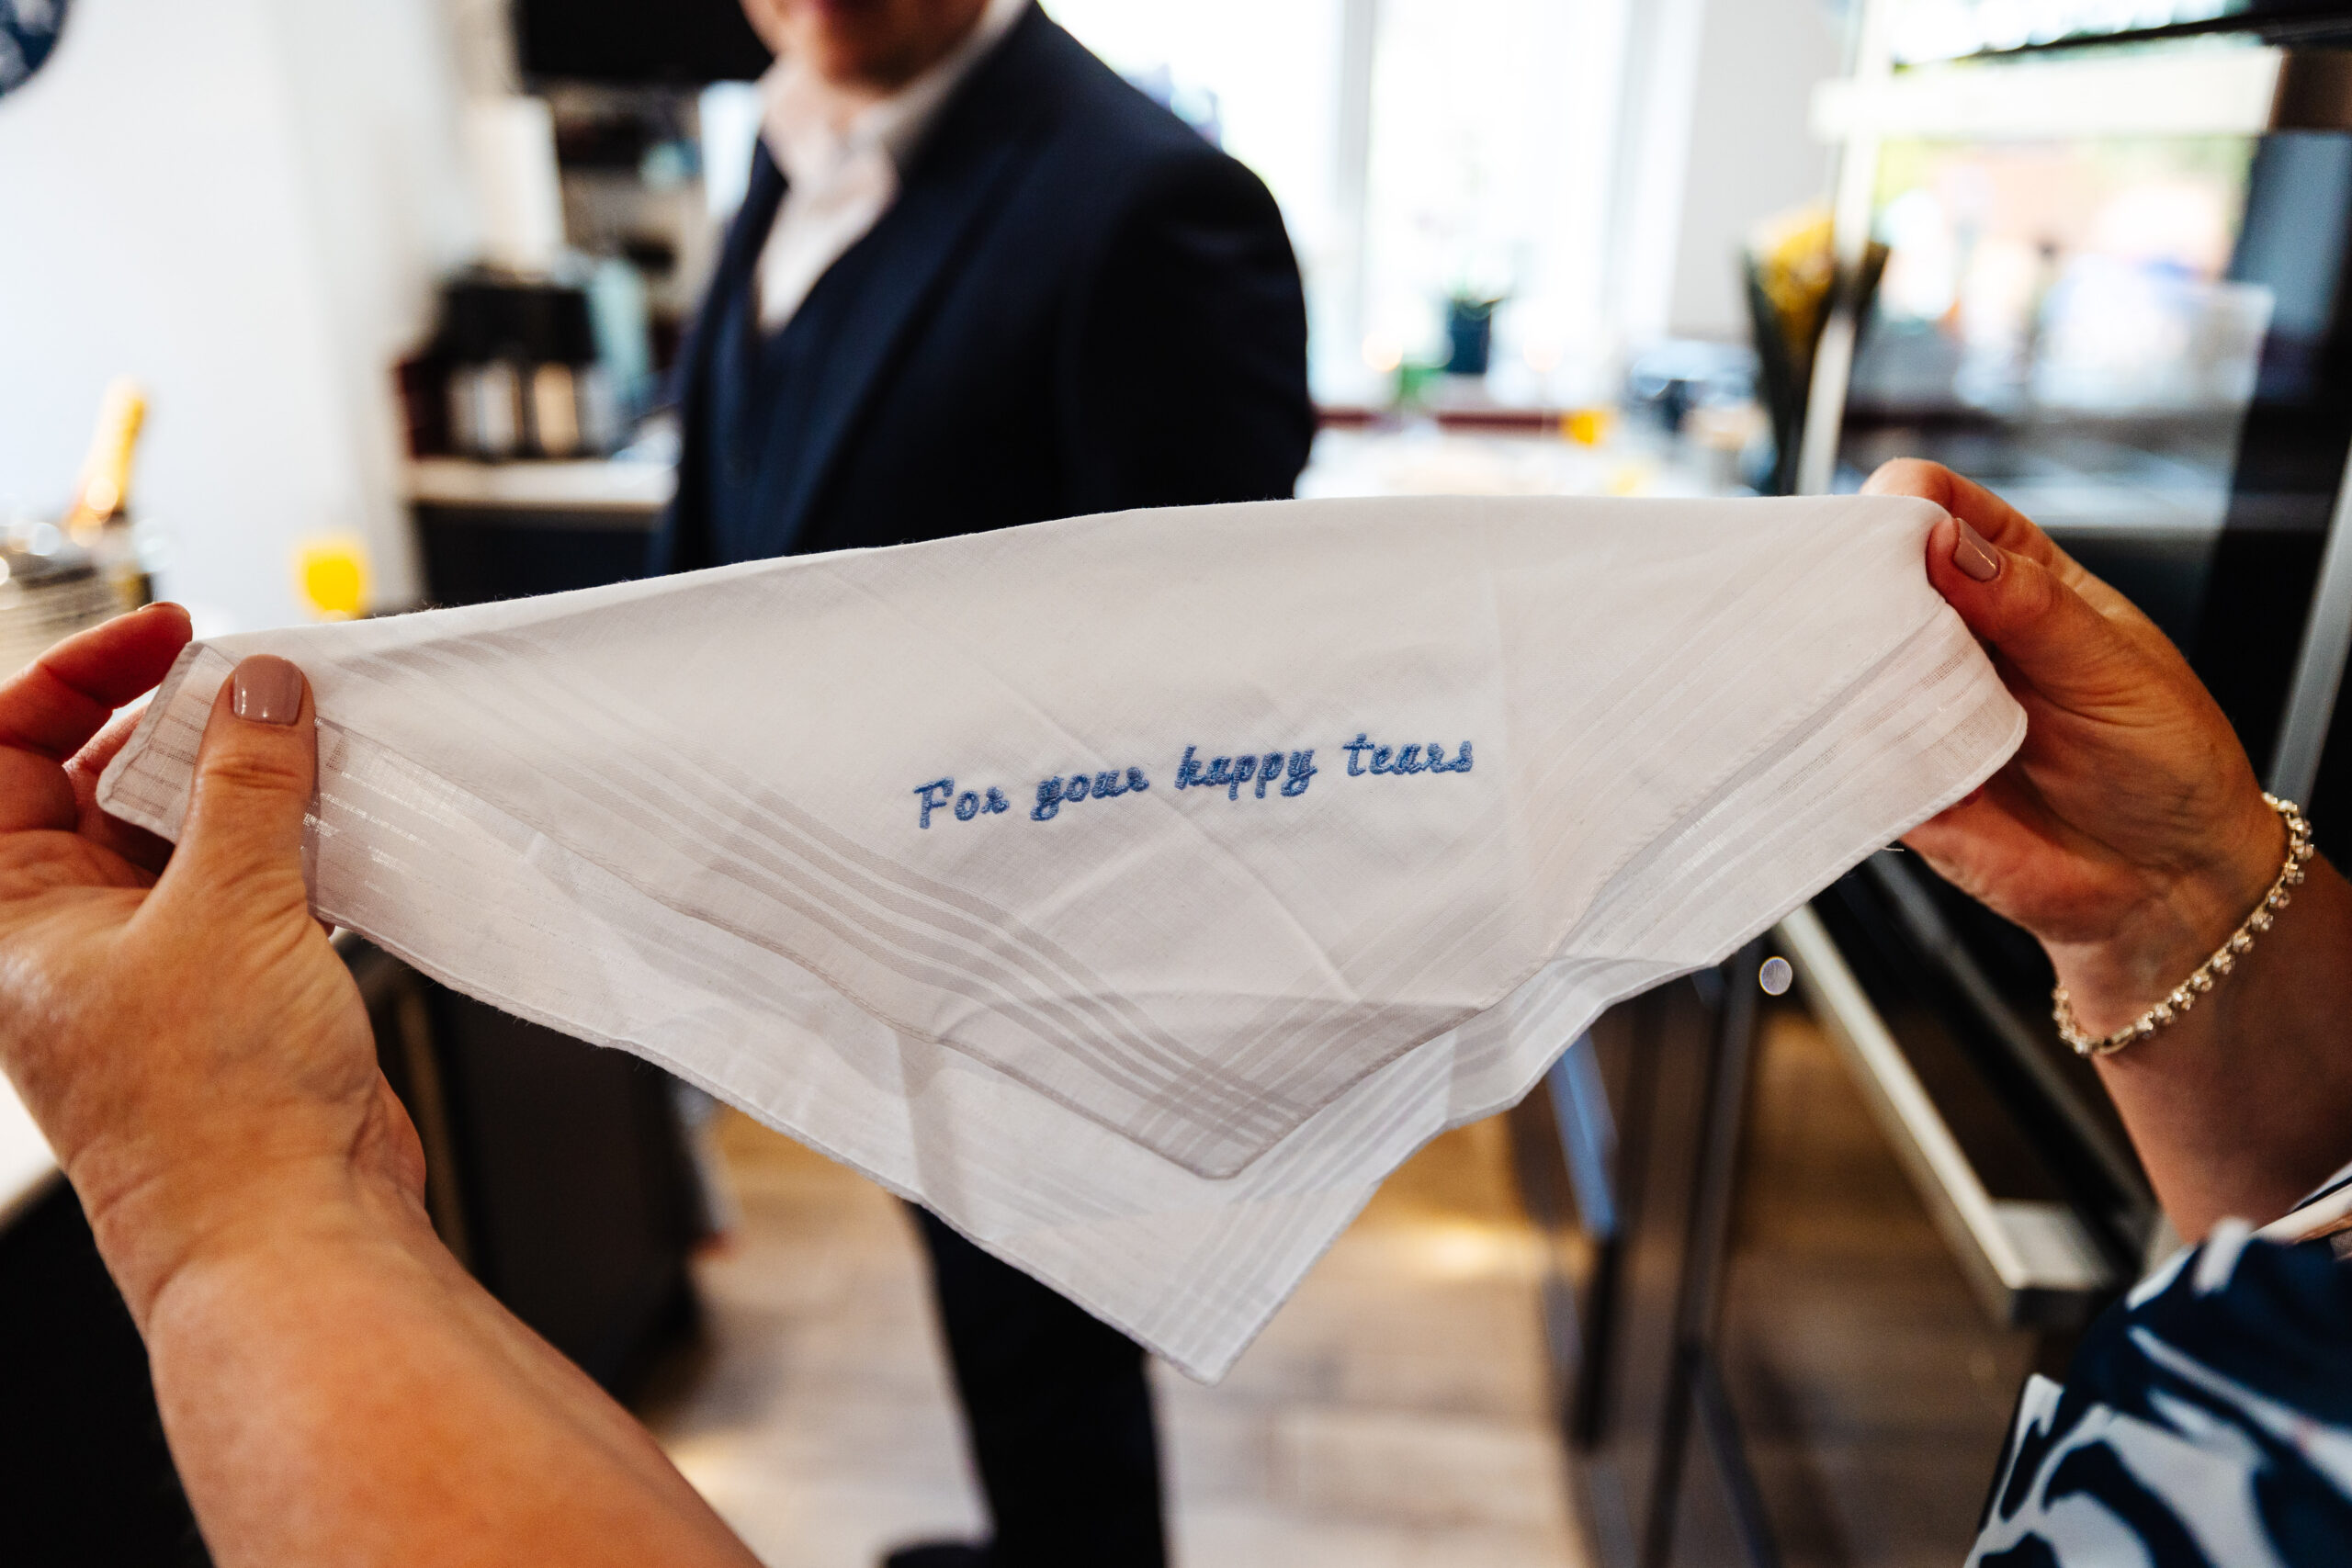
[(813, 127)]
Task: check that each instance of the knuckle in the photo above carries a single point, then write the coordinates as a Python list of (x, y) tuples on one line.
[(271, 886), (1908, 475), (244, 771), (2030, 589)]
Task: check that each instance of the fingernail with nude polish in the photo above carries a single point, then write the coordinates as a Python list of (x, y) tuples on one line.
[(268, 690), (1974, 554)]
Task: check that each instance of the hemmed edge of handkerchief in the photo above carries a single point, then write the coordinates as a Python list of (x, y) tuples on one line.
[(1198, 1330), (1189, 1318)]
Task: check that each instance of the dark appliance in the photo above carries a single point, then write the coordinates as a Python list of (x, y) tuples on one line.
[(2000, 27), (631, 42), (2145, 344), (516, 360), (2143, 336)]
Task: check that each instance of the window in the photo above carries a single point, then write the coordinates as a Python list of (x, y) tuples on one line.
[(1417, 148)]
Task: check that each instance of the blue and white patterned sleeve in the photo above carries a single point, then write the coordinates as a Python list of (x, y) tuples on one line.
[(2207, 1419)]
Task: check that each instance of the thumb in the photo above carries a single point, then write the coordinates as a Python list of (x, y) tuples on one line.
[(2046, 632), (254, 774)]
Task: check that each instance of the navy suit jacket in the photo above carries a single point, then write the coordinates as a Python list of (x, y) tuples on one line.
[(1075, 305)]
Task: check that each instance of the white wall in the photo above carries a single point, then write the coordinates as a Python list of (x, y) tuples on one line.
[(1752, 155), (244, 204), (1713, 138), (1659, 73)]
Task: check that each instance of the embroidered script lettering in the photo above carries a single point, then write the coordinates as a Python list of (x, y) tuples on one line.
[(1230, 773), (935, 796), (1364, 756), (1287, 773), (1054, 793)]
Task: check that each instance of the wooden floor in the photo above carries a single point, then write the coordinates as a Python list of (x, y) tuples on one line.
[(1393, 1415)]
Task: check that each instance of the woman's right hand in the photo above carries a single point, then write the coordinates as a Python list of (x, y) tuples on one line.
[(179, 1027), (2129, 832)]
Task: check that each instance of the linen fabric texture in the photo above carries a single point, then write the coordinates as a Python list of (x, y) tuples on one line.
[(1134, 891)]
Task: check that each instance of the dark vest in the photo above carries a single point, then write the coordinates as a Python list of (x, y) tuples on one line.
[(761, 387)]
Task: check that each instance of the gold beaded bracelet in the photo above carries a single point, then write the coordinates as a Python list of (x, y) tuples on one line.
[(2225, 957)]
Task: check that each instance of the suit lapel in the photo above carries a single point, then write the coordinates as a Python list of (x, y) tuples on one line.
[(908, 250), (731, 278), (687, 543), (968, 153)]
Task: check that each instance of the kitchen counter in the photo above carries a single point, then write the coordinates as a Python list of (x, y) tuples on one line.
[(628, 492), (1426, 458), (1416, 458)]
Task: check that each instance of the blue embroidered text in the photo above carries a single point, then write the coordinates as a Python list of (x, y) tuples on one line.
[(935, 796), (1288, 774), (1054, 792), (1412, 760), (1232, 773)]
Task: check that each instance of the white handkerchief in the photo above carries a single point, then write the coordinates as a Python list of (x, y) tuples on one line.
[(1134, 891)]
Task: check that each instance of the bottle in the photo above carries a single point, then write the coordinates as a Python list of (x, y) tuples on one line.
[(99, 518)]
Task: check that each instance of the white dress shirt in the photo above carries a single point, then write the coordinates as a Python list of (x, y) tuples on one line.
[(839, 151)]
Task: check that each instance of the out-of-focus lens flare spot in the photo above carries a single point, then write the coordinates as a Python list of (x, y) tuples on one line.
[(332, 574)]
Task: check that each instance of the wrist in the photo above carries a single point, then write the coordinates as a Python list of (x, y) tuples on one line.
[(2179, 924), (159, 1233)]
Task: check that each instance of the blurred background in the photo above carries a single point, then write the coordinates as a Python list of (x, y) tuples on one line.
[(313, 310), (260, 214)]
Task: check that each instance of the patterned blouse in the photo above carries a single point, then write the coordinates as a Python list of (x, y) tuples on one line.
[(2207, 1419)]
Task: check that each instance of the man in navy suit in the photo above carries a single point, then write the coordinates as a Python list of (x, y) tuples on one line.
[(978, 281)]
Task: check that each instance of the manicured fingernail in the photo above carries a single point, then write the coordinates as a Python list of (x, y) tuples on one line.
[(1974, 554), (268, 690)]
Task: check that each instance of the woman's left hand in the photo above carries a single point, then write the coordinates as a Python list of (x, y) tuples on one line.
[(2129, 835), (2129, 832)]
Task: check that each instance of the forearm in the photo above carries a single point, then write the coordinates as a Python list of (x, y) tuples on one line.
[(2245, 1104), (340, 1392)]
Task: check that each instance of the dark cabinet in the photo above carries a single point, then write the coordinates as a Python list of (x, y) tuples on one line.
[(559, 1172), (1771, 1347)]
